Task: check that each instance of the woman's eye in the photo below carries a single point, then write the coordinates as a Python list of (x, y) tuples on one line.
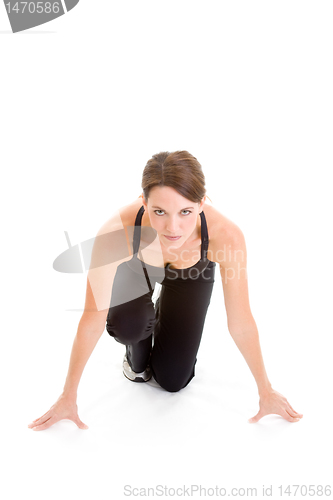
[(188, 211)]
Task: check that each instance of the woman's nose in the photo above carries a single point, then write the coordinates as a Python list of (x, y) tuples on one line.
[(172, 227)]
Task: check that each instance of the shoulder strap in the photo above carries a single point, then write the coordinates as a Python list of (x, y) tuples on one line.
[(136, 244), (137, 230), (204, 236)]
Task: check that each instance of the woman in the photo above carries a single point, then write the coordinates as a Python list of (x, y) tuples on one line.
[(162, 339)]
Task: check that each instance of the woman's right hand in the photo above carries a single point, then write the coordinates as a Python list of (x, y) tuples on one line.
[(64, 407)]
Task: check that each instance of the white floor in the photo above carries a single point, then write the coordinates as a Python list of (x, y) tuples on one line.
[(141, 436)]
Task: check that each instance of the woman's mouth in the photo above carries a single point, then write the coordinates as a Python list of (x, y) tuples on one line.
[(172, 238)]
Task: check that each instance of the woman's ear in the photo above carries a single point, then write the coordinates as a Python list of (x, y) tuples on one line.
[(144, 203), (203, 201)]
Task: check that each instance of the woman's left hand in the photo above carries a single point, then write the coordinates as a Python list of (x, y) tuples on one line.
[(274, 402)]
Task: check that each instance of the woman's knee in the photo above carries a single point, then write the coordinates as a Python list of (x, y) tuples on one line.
[(172, 382), (171, 387), (129, 326)]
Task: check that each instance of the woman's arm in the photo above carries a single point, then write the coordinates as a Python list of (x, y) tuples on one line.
[(107, 253), (90, 329), (241, 324)]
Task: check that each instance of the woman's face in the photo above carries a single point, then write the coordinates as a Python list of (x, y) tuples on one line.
[(172, 215)]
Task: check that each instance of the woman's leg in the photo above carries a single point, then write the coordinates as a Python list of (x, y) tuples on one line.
[(180, 312), (131, 322)]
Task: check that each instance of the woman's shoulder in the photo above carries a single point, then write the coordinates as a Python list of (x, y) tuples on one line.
[(221, 230), (115, 235), (129, 212), (217, 222)]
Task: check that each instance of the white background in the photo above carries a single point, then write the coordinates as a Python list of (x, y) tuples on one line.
[(86, 100)]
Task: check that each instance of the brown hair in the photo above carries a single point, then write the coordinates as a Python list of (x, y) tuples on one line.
[(179, 170)]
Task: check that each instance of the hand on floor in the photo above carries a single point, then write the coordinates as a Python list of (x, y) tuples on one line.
[(276, 403)]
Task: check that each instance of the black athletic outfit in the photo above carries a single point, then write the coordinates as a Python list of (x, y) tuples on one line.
[(167, 335)]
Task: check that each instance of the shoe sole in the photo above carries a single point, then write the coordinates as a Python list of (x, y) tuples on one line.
[(137, 379)]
